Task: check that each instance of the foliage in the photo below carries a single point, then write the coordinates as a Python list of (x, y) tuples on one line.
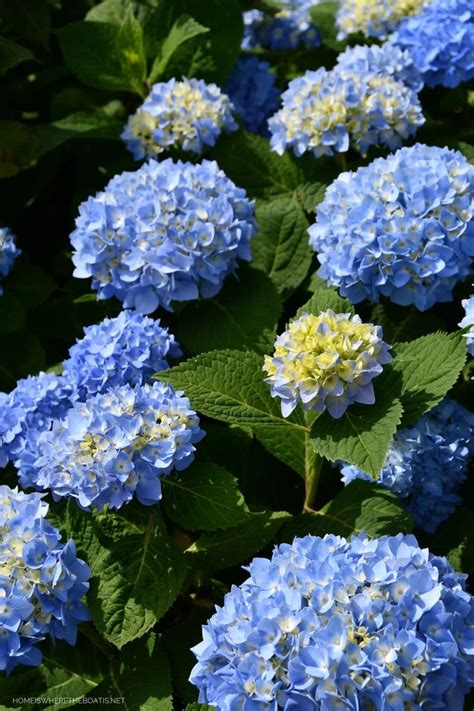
[(72, 73)]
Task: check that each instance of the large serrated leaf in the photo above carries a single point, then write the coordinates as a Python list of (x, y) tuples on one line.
[(325, 297), (424, 370), (141, 676), (228, 385), (248, 160), (66, 672), (361, 506), (135, 581), (183, 29), (214, 551), (238, 317), (281, 247), (361, 436), (204, 498)]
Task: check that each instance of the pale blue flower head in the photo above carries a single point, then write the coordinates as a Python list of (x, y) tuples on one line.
[(402, 227), (186, 115), (252, 90), (386, 59), (441, 41), (288, 28), (374, 18), (8, 252), (333, 624), (427, 463), (114, 446), (168, 231), (42, 581), (468, 322), (324, 112), (326, 362), (34, 403), (129, 348)]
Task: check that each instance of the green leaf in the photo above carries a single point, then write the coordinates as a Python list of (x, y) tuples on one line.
[(324, 298), (66, 671), (215, 551), (197, 707), (12, 314), (135, 582), (289, 447), (323, 16), (30, 284), (248, 160), (310, 195), (236, 318), (21, 145), (454, 539), (403, 326), (361, 436), (210, 56), (424, 370), (131, 50), (204, 497), (12, 54), (281, 247), (120, 48), (468, 151), (228, 385), (184, 29), (93, 124), (141, 676), (361, 506)]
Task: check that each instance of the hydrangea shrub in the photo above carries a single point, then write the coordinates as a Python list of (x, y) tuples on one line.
[(236, 355)]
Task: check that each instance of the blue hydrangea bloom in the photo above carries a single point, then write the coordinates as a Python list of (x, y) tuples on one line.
[(468, 322), (374, 18), (252, 90), (42, 581), (441, 41), (168, 231), (401, 227), (426, 464), (186, 115), (326, 362), (127, 349), (384, 59), (8, 252), (114, 446), (288, 28), (35, 402), (325, 111), (333, 624)]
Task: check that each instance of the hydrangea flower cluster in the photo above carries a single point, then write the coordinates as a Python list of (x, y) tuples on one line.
[(323, 111), (8, 252), (441, 41), (186, 115), (334, 624), (127, 349), (426, 464), (166, 231), (35, 402), (252, 90), (114, 446), (401, 227), (288, 28), (386, 59), (41, 581), (468, 322), (326, 362), (374, 18)]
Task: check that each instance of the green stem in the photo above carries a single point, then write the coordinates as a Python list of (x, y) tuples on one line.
[(312, 470), (342, 160)]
